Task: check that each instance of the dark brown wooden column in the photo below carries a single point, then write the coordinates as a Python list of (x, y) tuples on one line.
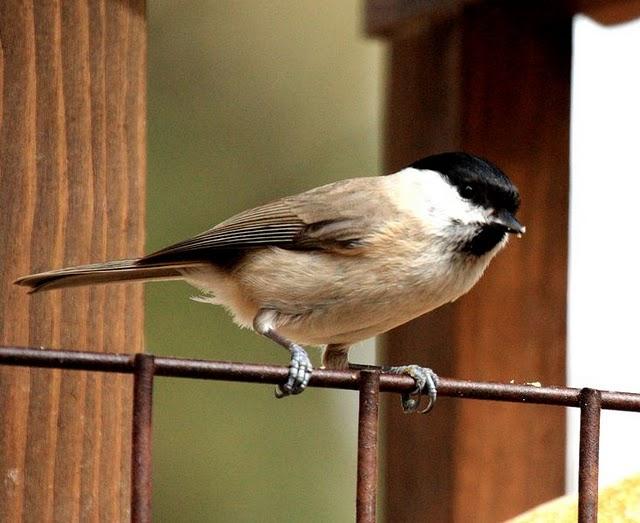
[(493, 80), (72, 167)]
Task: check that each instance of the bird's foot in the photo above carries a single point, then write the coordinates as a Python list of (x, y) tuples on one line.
[(426, 383), (300, 369)]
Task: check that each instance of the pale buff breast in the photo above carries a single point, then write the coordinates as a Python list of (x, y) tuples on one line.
[(327, 298)]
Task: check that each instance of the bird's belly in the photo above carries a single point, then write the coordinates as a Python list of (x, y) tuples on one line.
[(354, 320), (323, 299)]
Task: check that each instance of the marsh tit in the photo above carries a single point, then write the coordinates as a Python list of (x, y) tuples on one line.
[(339, 263)]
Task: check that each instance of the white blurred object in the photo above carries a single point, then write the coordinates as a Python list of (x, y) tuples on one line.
[(604, 246)]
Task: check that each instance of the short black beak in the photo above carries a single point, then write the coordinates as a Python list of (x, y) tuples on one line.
[(508, 221)]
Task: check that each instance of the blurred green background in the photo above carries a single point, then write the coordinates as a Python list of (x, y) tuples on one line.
[(248, 101)]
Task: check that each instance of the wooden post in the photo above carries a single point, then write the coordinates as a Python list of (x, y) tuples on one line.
[(72, 167), (495, 81)]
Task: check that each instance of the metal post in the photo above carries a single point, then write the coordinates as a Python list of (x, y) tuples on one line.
[(368, 446), (590, 405), (141, 438)]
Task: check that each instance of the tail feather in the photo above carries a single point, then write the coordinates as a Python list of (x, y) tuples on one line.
[(99, 273)]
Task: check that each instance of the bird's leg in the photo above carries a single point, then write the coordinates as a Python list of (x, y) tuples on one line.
[(300, 367), (426, 383), (336, 356)]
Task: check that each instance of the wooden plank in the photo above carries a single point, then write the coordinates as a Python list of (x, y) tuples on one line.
[(399, 17), (495, 82), (395, 17), (609, 12), (72, 164)]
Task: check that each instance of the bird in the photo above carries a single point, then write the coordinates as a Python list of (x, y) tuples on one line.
[(339, 263)]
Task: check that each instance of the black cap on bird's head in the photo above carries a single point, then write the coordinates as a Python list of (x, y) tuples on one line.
[(485, 185)]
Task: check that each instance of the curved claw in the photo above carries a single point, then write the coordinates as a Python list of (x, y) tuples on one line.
[(300, 370), (426, 381)]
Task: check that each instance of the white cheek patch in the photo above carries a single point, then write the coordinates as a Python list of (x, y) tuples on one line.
[(429, 196)]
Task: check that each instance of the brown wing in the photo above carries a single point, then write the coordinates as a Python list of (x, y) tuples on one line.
[(337, 216)]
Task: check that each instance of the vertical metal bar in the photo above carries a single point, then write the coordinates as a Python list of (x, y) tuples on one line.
[(590, 406), (141, 438), (368, 446)]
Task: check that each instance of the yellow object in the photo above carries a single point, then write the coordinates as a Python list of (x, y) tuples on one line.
[(617, 503)]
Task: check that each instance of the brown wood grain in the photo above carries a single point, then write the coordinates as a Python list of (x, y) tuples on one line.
[(72, 165), (395, 17), (609, 12), (392, 18), (494, 81)]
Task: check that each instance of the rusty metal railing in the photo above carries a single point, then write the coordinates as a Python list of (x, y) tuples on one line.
[(369, 383)]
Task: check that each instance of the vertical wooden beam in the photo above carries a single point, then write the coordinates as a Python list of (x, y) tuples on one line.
[(72, 166), (494, 81)]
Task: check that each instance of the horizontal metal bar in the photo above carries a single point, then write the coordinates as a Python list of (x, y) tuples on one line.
[(253, 373), (66, 359)]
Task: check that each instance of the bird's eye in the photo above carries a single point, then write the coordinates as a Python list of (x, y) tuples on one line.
[(467, 191)]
